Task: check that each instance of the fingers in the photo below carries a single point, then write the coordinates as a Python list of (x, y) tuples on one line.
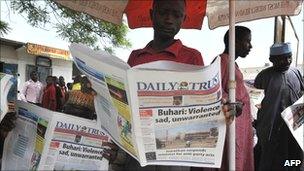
[(224, 101), (110, 154), (229, 110), (229, 118), (11, 107), (111, 145)]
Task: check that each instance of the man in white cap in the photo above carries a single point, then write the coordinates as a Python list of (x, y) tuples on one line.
[(283, 85)]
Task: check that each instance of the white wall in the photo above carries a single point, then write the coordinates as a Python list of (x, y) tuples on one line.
[(62, 68), (8, 54), (22, 58)]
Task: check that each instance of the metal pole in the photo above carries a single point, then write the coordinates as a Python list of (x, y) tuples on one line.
[(283, 28), (232, 83), (298, 41), (275, 29)]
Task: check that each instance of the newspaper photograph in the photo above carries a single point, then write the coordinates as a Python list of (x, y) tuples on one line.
[(294, 119), (5, 83), (171, 117), (46, 140)]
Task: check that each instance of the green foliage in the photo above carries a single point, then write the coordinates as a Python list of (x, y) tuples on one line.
[(4, 28), (73, 26)]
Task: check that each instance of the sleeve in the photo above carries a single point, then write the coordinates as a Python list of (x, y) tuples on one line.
[(198, 59), (132, 58), (225, 78), (41, 94), (52, 98), (301, 80), (23, 92), (258, 81), (53, 94)]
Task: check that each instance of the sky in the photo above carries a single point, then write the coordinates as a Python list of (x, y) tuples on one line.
[(208, 42)]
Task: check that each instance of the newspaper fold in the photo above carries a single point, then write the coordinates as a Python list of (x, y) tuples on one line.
[(5, 83)]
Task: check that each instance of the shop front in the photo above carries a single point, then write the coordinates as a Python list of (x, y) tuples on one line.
[(19, 59)]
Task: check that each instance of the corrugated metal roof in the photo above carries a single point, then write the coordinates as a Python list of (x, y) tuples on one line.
[(13, 43)]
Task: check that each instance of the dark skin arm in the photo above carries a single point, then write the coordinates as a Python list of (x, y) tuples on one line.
[(111, 153), (8, 122)]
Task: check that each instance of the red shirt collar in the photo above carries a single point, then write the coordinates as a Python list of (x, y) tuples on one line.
[(173, 49)]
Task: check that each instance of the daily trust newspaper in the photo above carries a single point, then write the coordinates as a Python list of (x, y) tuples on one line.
[(5, 85), (161, 113), (294, 118), (46, 140)]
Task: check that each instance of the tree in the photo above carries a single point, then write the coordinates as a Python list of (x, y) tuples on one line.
[(4, 28), (73, 26)]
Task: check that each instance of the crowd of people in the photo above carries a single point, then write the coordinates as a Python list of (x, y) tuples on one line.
[(282, 85), (77, 100)]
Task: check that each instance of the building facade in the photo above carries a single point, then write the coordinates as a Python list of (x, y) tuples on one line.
[(19, 59)]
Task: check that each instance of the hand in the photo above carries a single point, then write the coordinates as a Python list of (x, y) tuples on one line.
[(111, 153), (11, 107), (7, 124), (231, 109)]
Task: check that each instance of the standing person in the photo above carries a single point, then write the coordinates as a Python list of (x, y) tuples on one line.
[(81, 102), (282, 85), (32, 89), (69, 86), (76, 84), (167, 18), (49, 94), (59, 100), (63, 89), (244, 131)]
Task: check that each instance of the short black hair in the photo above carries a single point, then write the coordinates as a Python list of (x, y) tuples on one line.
[(33, 72), (155, 1), (240, 32)]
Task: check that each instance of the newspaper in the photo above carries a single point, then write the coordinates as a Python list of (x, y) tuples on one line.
[(256, 97), (5, 83), (294, 118), (46, 140), (161, 113)]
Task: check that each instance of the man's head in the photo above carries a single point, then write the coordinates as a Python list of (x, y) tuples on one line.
[(55, 80), (34, 76), (281, 56), (85, 82), (49, 80), (77, 79), (167, 17), (61, 81), (242, 41)]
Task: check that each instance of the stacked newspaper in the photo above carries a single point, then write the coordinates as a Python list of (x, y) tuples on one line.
[(161, 113), (5, 83), (294, 119), (47, 140)]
